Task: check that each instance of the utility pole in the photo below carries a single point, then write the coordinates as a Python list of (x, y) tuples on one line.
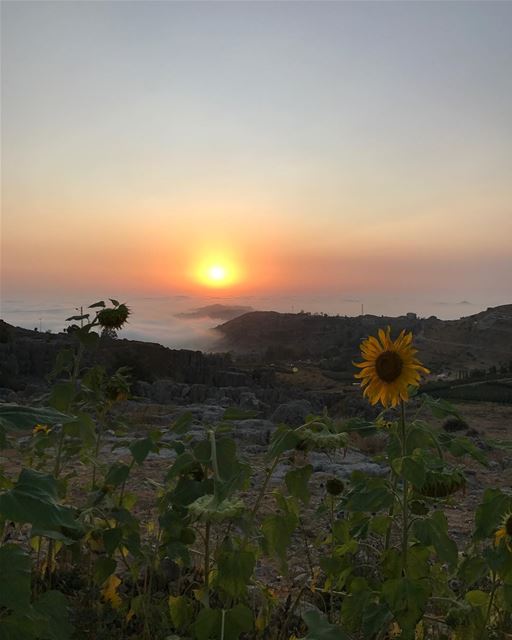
[(81, 314), (362, 309)]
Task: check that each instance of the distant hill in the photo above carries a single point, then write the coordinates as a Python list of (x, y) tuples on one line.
[(215, 312), (480, 340)]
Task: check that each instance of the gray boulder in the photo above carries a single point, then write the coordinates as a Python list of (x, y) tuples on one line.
[(292, 413)]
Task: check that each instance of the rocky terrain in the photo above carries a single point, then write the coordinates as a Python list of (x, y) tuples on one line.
[(167, 383), (477, 341)]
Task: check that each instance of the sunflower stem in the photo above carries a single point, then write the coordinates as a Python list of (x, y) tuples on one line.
[(405, 505)]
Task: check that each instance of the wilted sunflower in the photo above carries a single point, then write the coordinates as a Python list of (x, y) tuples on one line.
[(505, 531), (113, 318), (389, 367)]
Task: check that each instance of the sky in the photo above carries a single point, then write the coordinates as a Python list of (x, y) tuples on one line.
[(306, 147)]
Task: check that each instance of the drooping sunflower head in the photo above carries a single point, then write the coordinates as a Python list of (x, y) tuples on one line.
[(113, 318), (389, 368)]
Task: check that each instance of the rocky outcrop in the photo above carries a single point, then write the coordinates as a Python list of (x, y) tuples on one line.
[(28, 354), (483, 339)]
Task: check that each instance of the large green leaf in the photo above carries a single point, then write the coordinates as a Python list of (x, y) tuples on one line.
[(407, 599), (433, 531), (19, 418), (15, 572), (490, 513), (207, 623), (234, 570), (181, 611), (140, 449), (283, 439), (319, 628), (412, 468), (368, 494), (62, 395), (34, 499), (53, 606), (117, 474), (278, 529), (376, 617), (238, 620), (354, 605), (297, 482), (182, 424), (45, 619)]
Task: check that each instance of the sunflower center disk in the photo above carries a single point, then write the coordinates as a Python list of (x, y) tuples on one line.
[(389, 366)]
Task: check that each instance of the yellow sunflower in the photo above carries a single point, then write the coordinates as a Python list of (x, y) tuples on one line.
[(505, 532), (389, 368)]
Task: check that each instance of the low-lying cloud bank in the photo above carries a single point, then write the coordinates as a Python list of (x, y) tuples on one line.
[(215, 312)]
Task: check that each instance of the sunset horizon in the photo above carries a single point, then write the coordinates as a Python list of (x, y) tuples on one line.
[(338, 148)]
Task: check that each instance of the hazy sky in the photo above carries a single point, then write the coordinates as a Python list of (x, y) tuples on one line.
[(311, 146)]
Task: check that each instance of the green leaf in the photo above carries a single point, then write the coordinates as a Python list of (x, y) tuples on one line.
[(407, 600), (117, 474), (114, 302), (355, 603), (433, 531), (234, 570), (376, 617), (418, 562), (97, 304), (368, 494), (440, 408), (477, 598), (283, 439), (188, 490), (62, 395), (82, 427), (207, 622), (319, 628), (140, 449), (412, 469), (103, 568), (184, 463), (112, 538), (18, 418), (15, 569), (459, 446), (490, 513), (297, 482), (277, 530), (182, 424), (472, 569), (499, 559), (34, 499), (181, 611), (86, 337), (53, 606), (238, 620)]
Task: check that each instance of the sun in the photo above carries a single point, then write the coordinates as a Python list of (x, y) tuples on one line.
[(217, 272)]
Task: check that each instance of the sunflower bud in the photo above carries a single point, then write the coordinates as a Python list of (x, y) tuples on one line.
[(334, 486)]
